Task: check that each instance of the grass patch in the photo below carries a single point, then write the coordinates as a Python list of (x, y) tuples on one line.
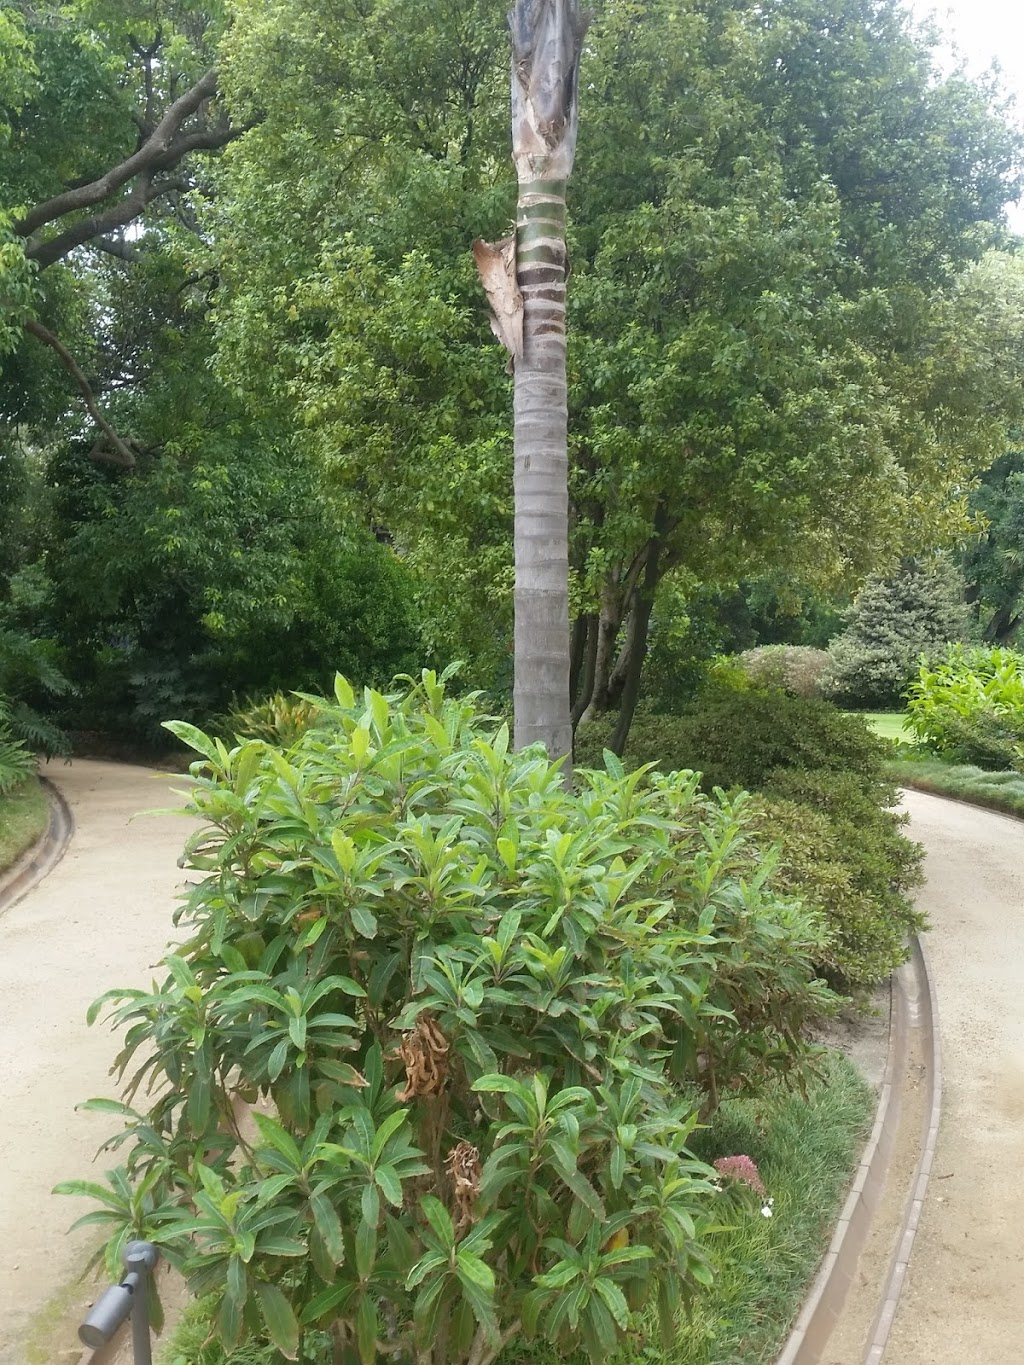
[(888, 725), (806, 1150), (24, 813), (1001, 791)]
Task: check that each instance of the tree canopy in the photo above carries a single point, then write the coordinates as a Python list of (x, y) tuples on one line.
[(795, 315)]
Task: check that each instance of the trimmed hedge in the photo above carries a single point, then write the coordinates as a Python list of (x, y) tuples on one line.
[(827, 801)]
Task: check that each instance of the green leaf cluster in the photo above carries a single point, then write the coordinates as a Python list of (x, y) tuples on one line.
[(969, 706)]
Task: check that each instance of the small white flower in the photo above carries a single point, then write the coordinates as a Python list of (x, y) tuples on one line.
[(766, 1209)]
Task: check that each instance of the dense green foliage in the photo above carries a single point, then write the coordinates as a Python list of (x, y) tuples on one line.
[(16, 762), (478, 1003), (893, 621), (969, 707), (828, 802), (204, 420)]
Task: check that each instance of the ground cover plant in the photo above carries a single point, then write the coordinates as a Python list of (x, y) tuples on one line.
[(826, 799), (1001, 791), (24, 812), (487, 1012)]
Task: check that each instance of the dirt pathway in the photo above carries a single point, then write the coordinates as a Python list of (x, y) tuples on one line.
[(963, 1303), (102, 918)]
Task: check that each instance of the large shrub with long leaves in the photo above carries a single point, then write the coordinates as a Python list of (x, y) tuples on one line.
[(477, 1015)]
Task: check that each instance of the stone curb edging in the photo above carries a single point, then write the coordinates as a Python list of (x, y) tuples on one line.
[(929, 1016), (912, 1006), (823, 1305), (44, 855)]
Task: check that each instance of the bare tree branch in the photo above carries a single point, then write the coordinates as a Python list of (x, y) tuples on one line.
[(121, 453), (152, 155)]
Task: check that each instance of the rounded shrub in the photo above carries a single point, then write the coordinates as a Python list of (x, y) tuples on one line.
[(477, 1008), (797, 669), (738, 739), (830, 804)]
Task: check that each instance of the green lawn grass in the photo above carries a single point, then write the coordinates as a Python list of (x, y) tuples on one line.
[(24, 813), (806, 1151), (1001, 791), (889, 724)]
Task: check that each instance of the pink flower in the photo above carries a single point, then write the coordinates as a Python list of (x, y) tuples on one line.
[(743, 1169)]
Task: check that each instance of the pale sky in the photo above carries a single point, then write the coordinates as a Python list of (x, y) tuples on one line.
[(984, 31)]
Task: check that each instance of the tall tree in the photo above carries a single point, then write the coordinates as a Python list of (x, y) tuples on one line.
[(525, 277)]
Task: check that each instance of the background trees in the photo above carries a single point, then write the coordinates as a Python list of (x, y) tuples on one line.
[(795, 334)]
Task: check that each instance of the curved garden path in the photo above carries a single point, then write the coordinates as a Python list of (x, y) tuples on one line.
[(963, 1299), (102, 918)]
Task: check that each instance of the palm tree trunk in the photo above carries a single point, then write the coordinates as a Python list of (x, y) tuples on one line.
[(547, 37)]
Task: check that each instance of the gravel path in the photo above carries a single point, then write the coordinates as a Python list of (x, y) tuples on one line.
[(102, 918), (963, 1303)]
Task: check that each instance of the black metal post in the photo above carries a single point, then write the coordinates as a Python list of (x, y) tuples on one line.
[(131, 1296)]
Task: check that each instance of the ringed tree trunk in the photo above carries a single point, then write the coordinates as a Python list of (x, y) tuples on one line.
[(525, 279)]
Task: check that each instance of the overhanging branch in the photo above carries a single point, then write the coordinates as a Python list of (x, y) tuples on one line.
[(151, 155), (120, 454)]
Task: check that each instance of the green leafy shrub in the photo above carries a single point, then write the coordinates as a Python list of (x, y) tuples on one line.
[(970, 707), (479, 1006), (845, 855), (739, 739), (845, 852), (890, 625), (278, 719), (31, 678), (797, 669)]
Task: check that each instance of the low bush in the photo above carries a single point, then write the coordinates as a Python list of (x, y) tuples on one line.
[(739, 739), (969, 707), (845, 855), (829, 803), (486, 1012), (279, 719), (796, 669)]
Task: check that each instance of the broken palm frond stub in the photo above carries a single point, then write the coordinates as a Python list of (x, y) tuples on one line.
[(496, 264), (424, 1052)]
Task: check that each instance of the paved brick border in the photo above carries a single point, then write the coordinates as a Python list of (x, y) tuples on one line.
[(45, 853), (912, 1007)]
